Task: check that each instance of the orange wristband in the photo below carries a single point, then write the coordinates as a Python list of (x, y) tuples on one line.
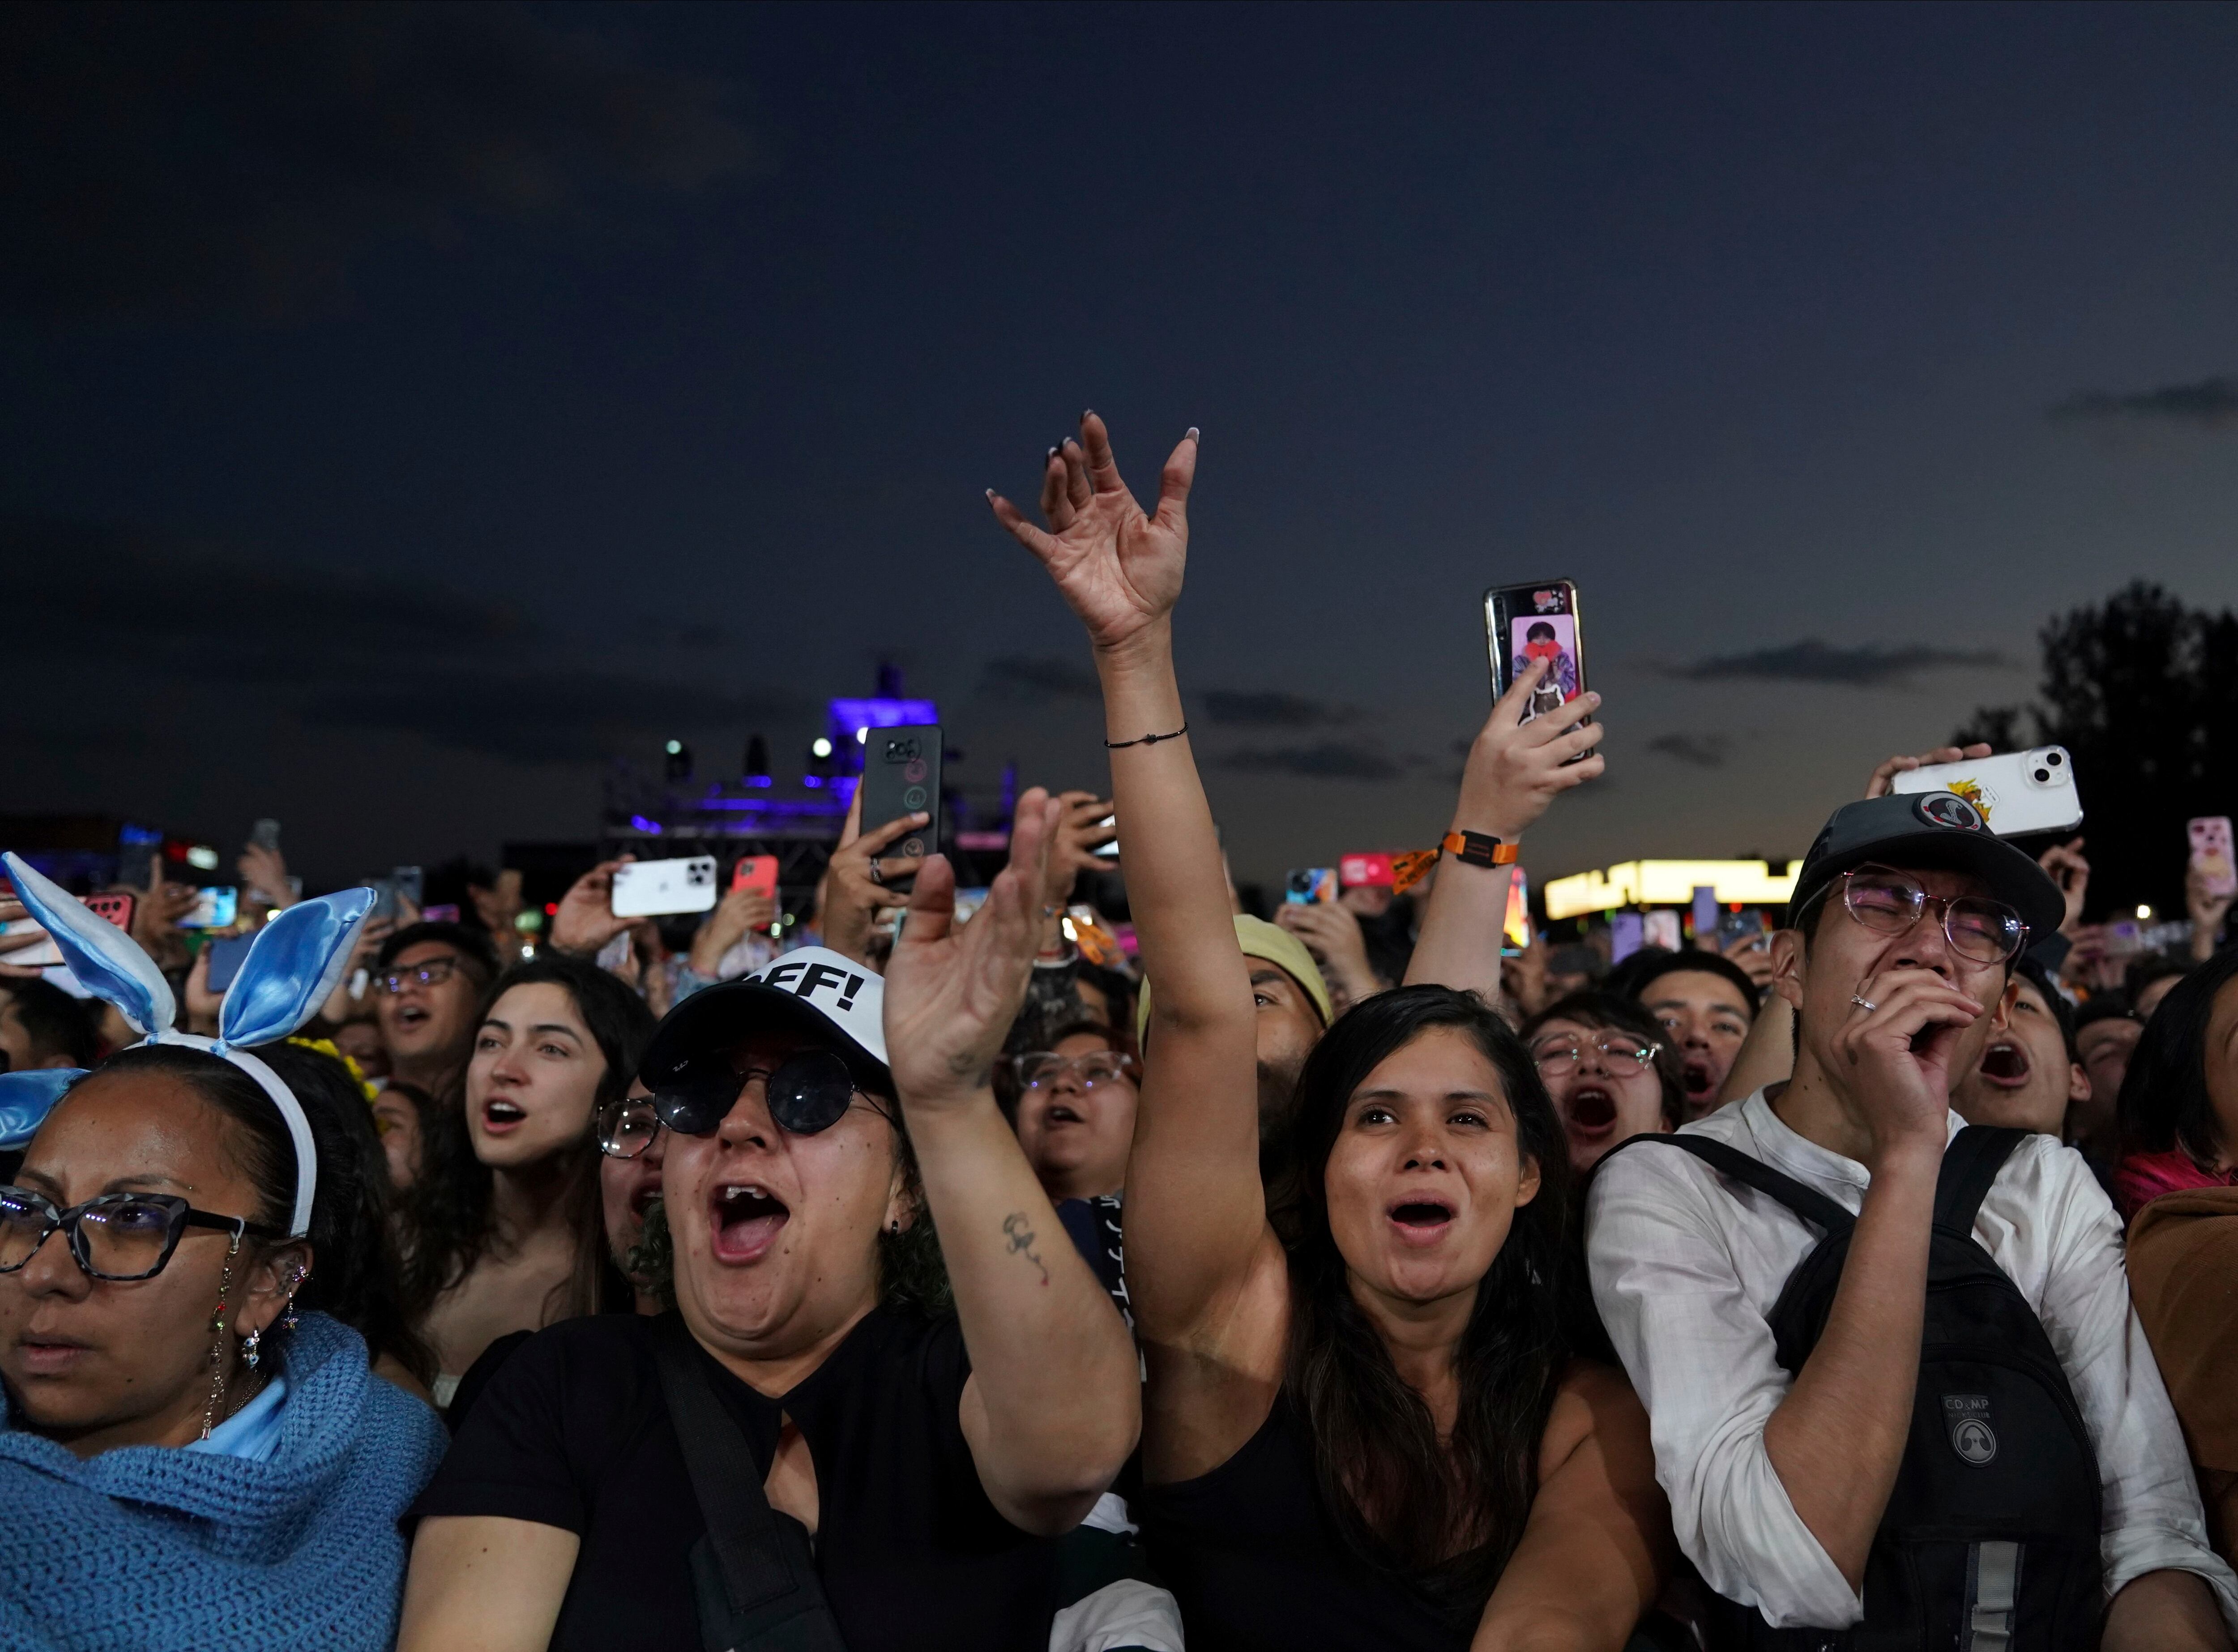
[(1480, 848)]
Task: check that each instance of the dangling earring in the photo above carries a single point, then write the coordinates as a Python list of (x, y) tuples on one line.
[(217, 1340), (288, 1320), (248, 1348)]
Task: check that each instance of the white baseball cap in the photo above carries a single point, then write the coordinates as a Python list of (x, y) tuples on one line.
[(813, 990)]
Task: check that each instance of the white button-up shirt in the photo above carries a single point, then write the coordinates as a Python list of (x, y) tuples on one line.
[(1685, 1265)]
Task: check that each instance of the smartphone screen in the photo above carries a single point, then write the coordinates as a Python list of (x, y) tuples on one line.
[(2211, 854), (1515, 927), (1309, 885), (213, 909), (1536, 621), (226, 953), (901, 775)]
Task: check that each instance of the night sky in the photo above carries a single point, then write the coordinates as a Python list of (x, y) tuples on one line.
[(403, 411)]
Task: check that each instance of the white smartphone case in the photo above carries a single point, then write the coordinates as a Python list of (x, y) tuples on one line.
[(2017, 792), (654, 888)]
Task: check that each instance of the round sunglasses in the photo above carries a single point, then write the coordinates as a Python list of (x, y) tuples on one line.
[(806, 1094)]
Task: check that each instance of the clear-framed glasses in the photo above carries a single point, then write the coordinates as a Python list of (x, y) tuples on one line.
[(434, 973), (626, 1128), (1979, 929), (807, 1092), (1621, 1054), (1037, 1069), (117, 1236)]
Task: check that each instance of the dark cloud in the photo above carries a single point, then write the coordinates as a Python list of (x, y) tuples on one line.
[(2211, 402), (1275, 710), (1326, 760), (1814, 661), (1039, 676), (237, 158), (335, 650), (1703, 750)]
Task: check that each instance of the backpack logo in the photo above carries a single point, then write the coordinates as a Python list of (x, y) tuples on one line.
[(1966, 1419)]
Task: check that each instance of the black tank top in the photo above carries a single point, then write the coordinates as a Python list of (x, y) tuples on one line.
[(1257, 1561)]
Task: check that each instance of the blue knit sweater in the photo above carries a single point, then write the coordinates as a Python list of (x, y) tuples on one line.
[(145, 1549)]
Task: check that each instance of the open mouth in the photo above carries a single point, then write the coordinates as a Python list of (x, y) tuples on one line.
[(1421, 1221), (501, 1116), (1701, 1080), (641, 1200), (2005, 1064), (1591, 1110), (746, 1221), (1061, 1114)]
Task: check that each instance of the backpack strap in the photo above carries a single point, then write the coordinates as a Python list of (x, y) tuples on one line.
[(774, 1598), (1970, 1165), (1810, 1205)]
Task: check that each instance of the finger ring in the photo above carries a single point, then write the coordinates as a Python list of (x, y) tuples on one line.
[(877, 876), (1862, 1003)]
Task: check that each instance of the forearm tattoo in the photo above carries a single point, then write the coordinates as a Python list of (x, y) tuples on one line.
[(1021, 1239)]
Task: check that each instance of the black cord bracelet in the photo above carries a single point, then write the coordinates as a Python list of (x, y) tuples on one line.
[(1147, 740)]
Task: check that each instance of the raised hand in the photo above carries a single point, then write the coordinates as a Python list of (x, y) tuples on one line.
[(1882, 780), (858, 883), (953, 990), (1119, 570), (586, 921), (1515, 768), (1897, 1045), (2064, 865)]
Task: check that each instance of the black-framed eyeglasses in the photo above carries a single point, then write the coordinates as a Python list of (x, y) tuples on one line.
[(434, 973), (1889, 902), (1036, 1069), (119, 1237), (1621, 1054), (807, 1093)]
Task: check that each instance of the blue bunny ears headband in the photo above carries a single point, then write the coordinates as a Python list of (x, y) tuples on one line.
[(292, 967)]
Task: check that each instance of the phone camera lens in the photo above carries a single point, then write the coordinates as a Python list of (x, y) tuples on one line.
[(2052, 758), (2042, 775)]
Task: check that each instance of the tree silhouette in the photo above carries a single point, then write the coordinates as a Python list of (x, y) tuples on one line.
[(2143, 691)]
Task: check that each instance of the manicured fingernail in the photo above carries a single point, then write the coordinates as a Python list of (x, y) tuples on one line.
[(1193, 435), (1087, 413), (1593, 699), (1053, 451), (990, 493)]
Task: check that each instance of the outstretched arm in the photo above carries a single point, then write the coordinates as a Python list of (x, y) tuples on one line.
[(1514, 770), (1196, 1211), (1054, 1402)]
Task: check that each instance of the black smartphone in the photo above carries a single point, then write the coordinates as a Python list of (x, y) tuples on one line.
[(1536, 621), (226, 953), (901, 775)]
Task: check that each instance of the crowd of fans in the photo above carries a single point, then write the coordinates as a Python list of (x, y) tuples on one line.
[(919, 1280)]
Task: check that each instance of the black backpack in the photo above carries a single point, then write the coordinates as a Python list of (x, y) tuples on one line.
[(1990, 1543)]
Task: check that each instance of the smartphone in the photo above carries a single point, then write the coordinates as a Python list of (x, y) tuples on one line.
[(1309, 885), (2210, 854), (1536, 621), (1108, 851), (1706, 914), (901, 775), (410, 887), (265, 834), (226, 953), (440, 913), (1516, 926), (214, 909), (755, 872), (40, 955), (654, 888), (1660, 930), (1365, 870), (2016, 793), (1745, 924), (614, 954), (2124, 939), (1624, 935), (116, 909)]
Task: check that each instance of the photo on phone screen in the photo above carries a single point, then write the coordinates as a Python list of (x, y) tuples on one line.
[(1534, 622), (1309, 885)]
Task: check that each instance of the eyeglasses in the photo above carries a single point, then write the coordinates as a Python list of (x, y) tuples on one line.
[(1980, 931), (118, 1237), (1037, 1069), (434, 973), (1621, 1054), (626, 1128), (806, 1092)]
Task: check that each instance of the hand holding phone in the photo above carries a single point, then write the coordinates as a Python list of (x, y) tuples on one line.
[(2211, 862), (658, 889), (1539, 741), (901, 775), (2018, 793), (1309, 885)]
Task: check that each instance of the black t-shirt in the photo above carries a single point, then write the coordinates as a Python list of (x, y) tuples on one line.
[(573, 1432)]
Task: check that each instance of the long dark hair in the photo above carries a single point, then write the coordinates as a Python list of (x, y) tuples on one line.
[(1404, 1500), (448, 1221), (2164, 1102), (354, 1275)]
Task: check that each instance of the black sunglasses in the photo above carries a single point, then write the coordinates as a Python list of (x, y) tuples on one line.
[(119, 1237), (808, 1093)]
